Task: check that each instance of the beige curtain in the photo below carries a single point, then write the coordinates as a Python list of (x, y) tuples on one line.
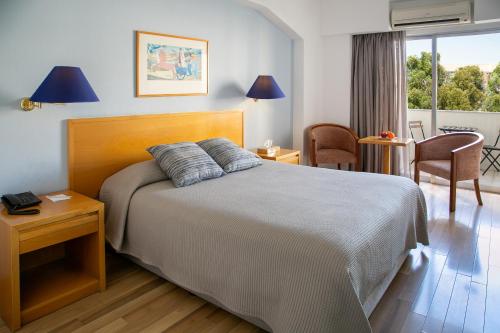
[(378, 94)]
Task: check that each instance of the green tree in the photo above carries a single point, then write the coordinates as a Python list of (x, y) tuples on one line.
[(492, 103), (462, 90), (453, 98), (420, 80), (494, 81), (419, 99), (492, 100), (469, 79)]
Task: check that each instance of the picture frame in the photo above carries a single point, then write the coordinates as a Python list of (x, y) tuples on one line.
[(169, 65)]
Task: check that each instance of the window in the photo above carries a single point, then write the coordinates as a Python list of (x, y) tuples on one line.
[(468, 75), (454, 81)]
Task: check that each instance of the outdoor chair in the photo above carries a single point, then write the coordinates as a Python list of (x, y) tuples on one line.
[(489, 152), (416, 125)]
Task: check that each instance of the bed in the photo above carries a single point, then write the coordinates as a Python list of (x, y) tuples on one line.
[(289, 248)]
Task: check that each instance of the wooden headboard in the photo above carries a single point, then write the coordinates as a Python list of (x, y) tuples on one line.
[(99, 147)]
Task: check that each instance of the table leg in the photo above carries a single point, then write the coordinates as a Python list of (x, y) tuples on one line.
[(387, 159)]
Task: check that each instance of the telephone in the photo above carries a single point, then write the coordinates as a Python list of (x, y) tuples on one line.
[(16, 203)]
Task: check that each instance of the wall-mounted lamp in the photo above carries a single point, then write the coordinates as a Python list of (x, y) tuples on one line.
[(265, 87), (64, 84)]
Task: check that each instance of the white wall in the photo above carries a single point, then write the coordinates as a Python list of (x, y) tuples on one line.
[(45, 145), (98, 36), (302, 18), (354, 16), (337, 87)]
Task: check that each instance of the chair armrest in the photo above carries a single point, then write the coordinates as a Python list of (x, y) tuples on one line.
[(467, 160), (356, 140)]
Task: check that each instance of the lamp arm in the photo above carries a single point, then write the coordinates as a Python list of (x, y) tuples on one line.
[(29, 105)]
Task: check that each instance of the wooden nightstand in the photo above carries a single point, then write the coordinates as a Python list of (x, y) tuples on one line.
[(51, 259), (289, 156)]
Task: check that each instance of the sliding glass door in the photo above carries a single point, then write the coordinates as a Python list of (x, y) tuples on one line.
[(454, 84)]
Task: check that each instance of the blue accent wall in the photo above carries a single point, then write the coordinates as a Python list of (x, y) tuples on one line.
[(98, 36)]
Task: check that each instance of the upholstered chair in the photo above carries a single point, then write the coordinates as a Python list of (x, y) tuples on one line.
[(334, 144), (454, 157)]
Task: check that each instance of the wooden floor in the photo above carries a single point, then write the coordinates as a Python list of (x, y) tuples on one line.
[(454, 284), (451, 286)]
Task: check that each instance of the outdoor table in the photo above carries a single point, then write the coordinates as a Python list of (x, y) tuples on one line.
[(455, 129)]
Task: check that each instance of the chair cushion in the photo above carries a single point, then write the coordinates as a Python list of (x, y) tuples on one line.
[(185, 163), (333, 156), (440, 168)]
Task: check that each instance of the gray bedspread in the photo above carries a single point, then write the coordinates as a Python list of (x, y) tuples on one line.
[(295, 247)]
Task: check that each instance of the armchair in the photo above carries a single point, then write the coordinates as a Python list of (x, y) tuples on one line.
[(334, 144), (454, 157)]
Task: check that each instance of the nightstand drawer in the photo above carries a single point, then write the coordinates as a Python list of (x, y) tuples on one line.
[(58, 232), (290, 160)]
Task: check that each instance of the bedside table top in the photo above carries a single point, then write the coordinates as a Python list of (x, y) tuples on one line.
[(52, 211), (283, 152)]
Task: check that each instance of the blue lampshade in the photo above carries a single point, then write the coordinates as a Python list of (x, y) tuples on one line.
[(65, 84), (265, 87)]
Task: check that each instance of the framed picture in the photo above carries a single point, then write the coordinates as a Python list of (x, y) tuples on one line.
[(169, 65)]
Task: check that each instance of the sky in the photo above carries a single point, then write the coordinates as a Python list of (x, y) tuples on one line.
[(461, 50)]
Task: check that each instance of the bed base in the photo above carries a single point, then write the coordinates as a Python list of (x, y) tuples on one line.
[(368, 307)]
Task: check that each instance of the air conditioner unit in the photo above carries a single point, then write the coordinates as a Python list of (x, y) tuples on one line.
[(431, 15)]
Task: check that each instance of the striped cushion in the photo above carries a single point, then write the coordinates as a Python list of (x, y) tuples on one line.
[(229, 156), (185, 163)]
